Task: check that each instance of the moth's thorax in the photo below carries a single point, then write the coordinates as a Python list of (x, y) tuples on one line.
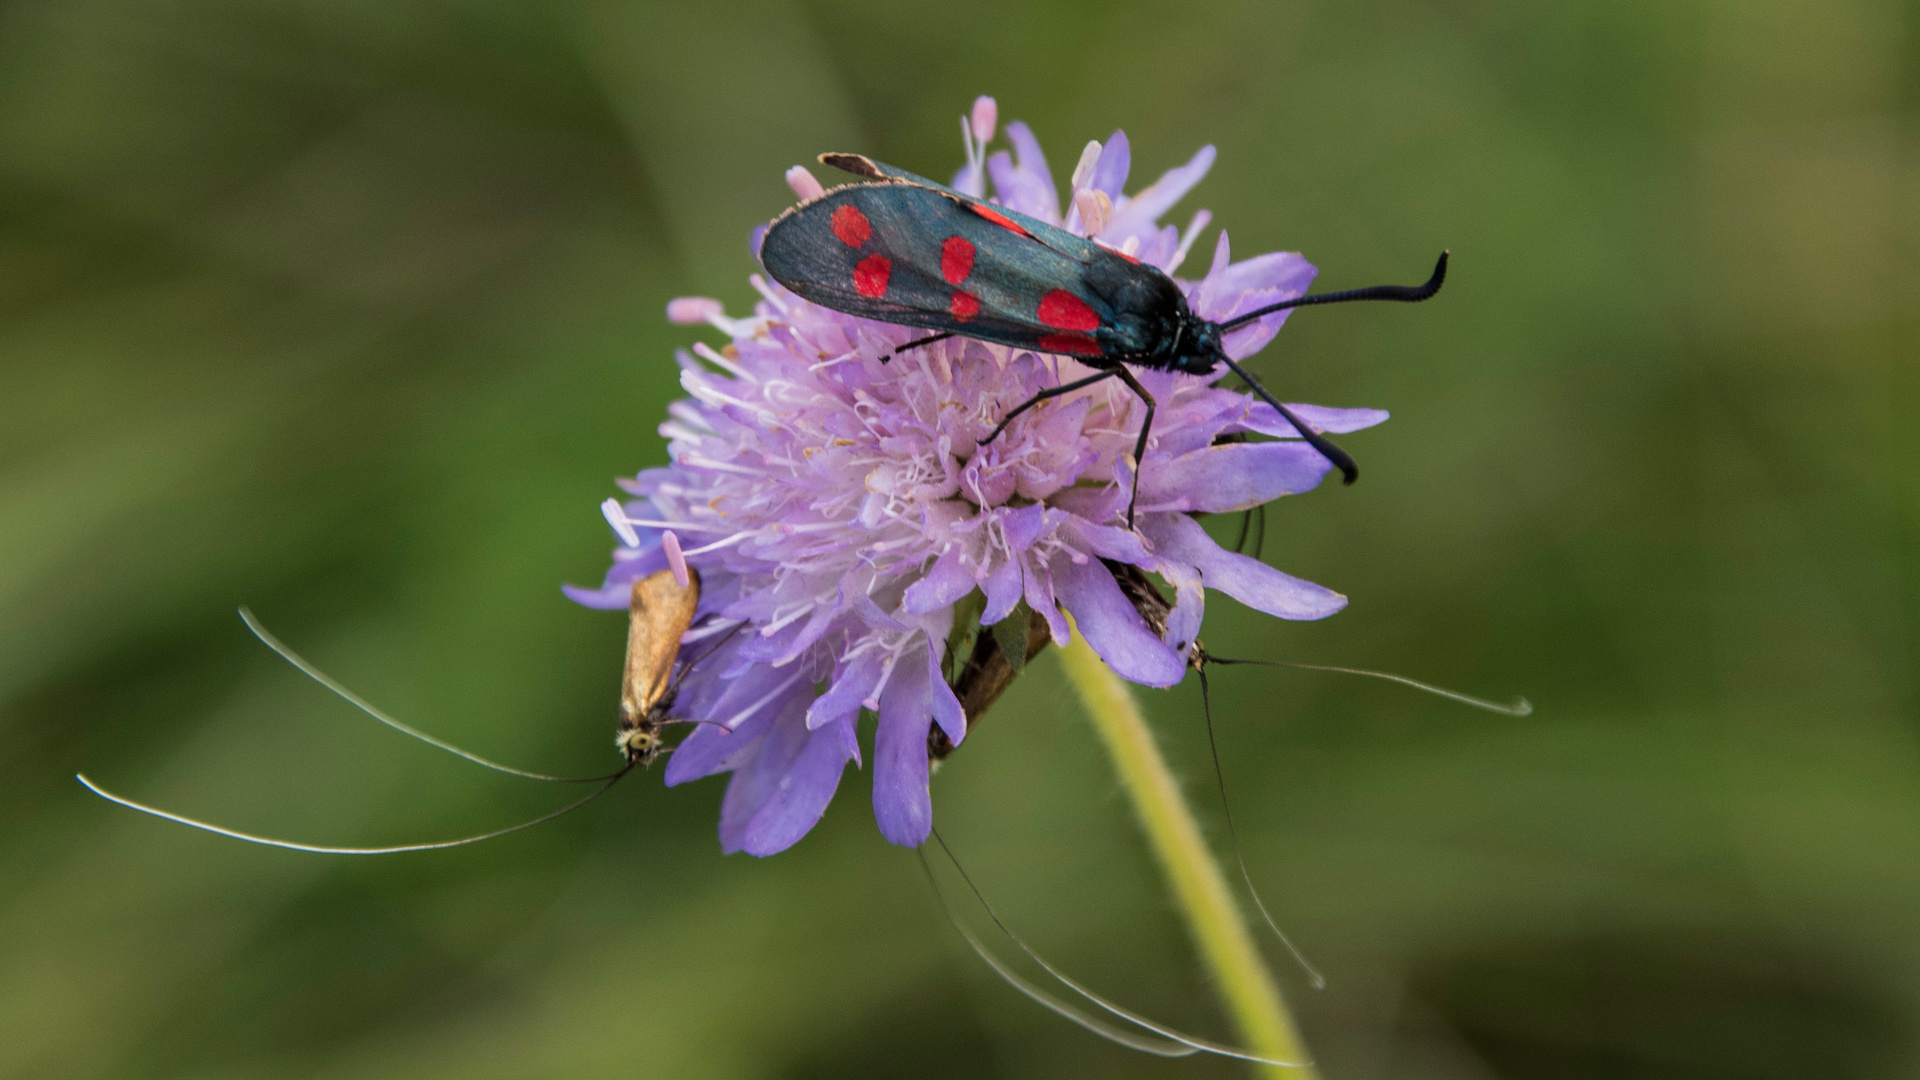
[(1151, 321)]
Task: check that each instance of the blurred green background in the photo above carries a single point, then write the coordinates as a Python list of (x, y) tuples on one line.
[(351, 312)]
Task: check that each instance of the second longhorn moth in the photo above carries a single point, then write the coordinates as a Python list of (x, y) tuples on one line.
[(904, 249)]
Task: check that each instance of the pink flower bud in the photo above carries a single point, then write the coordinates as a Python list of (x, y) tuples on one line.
[(693, 310), (986, 114), (803, 183), (676, 561)]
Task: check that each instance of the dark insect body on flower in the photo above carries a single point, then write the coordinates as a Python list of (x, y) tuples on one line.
[(904, 249), (661, 610)]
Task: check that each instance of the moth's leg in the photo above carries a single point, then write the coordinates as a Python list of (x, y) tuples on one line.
[(1043, 395), (916, 344), (1140, 444)]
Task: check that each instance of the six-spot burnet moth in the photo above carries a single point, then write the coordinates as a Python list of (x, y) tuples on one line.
[(903, 249)]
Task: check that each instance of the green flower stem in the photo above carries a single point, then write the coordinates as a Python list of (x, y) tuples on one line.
[(1199, 887)]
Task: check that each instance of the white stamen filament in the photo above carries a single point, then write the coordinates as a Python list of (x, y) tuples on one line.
[(617, 518), (737, 538), (1200, 220)]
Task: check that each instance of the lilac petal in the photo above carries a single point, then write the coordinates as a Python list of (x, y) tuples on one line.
[(850, 688), (1009, 183), (1019, 189), (1234, 476), (647, 482), (772, 648), (1004, 588), (816, 627), (1110, 172), (1263, 419), (802, 792), (946, 707), (1145, 208), (1111, 625), (1024, 526), (629, 565), (1244, 287), (1189, 603), (870, 613), (968, 181), (1285, 272), (1092, 504), (1028, 148), (1109, 542), (703, 753), (712, 747), (949, 580), (605, 598), (756, 777), (1179, 538), (1039, 584), (902, 805), (1156, 247)]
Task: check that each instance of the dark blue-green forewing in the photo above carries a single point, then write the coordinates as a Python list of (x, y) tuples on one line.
[(906, 250)]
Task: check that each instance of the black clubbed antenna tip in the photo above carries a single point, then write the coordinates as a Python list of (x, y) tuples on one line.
[(1406, 294)]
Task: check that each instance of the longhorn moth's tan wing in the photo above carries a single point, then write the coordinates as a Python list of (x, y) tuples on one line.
[(660, 612)]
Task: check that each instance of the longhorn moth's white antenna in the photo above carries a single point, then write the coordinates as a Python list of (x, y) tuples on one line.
[(1154, 1026), (319, 849), (1314, 976), (358, 702), (1157, 1047)]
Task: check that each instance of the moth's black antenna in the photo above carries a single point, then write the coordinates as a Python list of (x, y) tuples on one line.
[(364, 706), (1131, 1017), (1408, 294), (1157, 1047), (322, 850), (1318, 980), (1411, 294), (1340, 458)]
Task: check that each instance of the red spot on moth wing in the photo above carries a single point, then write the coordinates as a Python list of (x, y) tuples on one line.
[(870, 276), (956, 259), (1071, 344), (1066, 311), (850, 225), (998, 218), (964, 306)]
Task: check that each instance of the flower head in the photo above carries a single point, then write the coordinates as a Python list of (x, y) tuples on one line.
[(840, 509)]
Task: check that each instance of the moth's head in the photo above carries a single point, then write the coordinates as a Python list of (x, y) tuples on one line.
[(1200, 350), (640, 744)]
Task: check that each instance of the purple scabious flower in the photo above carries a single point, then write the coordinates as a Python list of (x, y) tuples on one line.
[(838, 508)]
